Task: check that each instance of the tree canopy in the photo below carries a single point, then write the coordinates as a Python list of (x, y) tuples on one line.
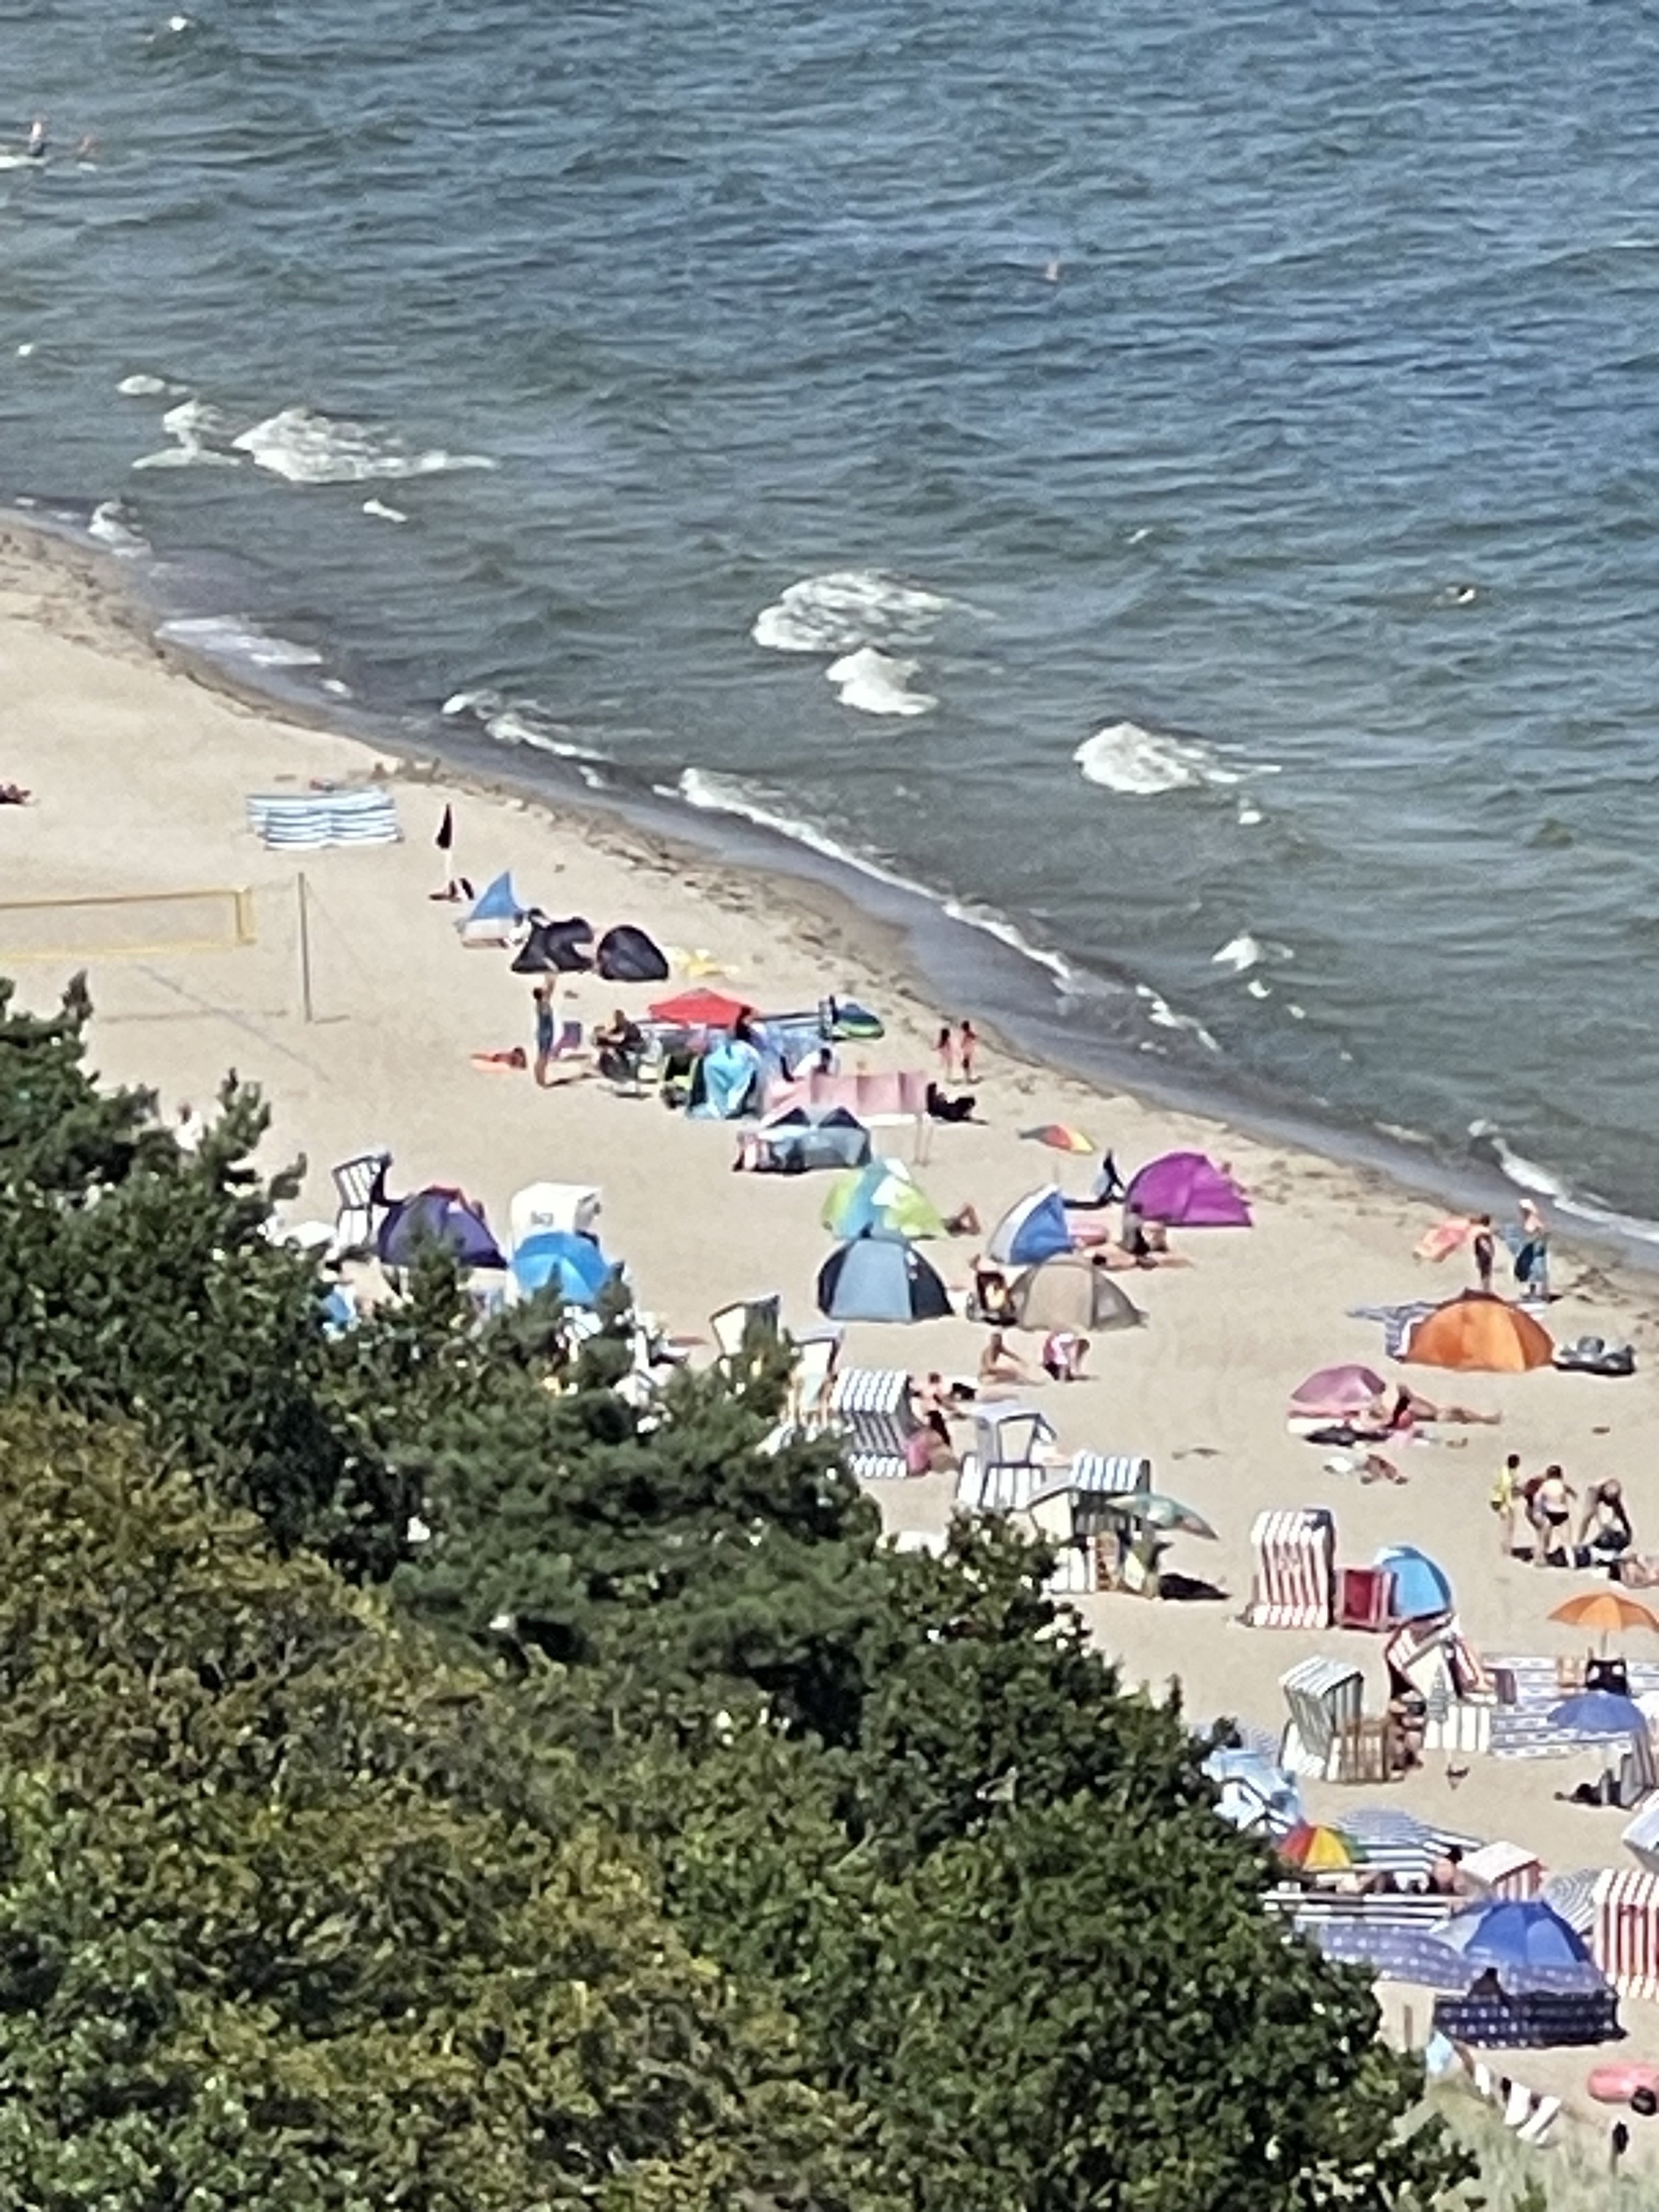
[(435, 1776)]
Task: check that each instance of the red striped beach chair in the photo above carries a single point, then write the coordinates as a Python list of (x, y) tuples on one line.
[(1503, 1870), (1624, 1936), (1295, 1568)]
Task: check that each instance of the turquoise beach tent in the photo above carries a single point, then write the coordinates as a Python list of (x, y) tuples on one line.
[(725, 1081), (885, 1196)]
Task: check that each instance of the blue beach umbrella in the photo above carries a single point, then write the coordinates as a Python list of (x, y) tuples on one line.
[(556, 1259), (1599, 1713), (1526, 1943), (1420, 1585)]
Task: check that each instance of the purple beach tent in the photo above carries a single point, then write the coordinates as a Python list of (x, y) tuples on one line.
[(1186, 1191), (437, 1216)]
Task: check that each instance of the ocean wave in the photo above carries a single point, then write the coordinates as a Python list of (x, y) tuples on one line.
[(843, 608), (227, 637), (1142, 763), (308, 448), (1163, 1016), (110, 524), (877, 683), (711, 793), (518, 722), (196, 431), (378, 507), (1489, 1143)]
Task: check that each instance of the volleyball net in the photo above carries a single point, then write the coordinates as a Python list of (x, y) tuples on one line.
[(126, 924)]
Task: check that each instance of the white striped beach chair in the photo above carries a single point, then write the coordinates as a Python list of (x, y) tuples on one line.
[(873, 1406), (1572, 1895), (1624, 1935), (1295, 1568), (1325, 1696)]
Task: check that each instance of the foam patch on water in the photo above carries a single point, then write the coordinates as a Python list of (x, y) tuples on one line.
[(1142, 763), (306, 447), (845, 609), (110, 525), (1245, 951), (197, 430), (877, 683), (378, 507), (225, 637), (142, 386)]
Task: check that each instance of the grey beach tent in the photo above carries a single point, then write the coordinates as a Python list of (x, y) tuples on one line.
[(875, 1278)]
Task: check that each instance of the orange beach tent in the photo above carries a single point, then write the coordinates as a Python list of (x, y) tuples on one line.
[(1478, 1331)]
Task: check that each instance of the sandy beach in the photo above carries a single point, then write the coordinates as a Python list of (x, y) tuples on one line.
[(140, 778)]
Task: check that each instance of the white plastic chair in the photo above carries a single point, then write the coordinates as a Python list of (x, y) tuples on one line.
[(360, 1186)]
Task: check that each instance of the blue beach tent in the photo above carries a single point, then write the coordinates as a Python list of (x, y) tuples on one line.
[(437, 1216), (496, 903), (1421, 1586), (559, 1259), (1033, 1229), (876, 1277)]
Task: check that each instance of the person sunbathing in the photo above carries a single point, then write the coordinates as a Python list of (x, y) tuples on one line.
[(997, 1365), (1147, 1243), (965, 1222), (12, 794), (1409, 1409)]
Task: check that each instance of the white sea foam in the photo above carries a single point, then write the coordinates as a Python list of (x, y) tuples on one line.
[(711, 793), (1530, 1174), (196, 431), (1142, 763), (1162, 1015), (877, 683), (525, 725), (1238, 953), (1258, 989), (141, 386), (224, 637), (473, 703), (386, 514), (110, 527), (306, 447), (1245, 951), (1249, 814), (846, 608)]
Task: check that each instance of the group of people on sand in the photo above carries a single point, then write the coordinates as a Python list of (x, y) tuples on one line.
[(1605, 1537)]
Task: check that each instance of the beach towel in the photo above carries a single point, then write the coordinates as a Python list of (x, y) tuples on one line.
[(1398, 1320)]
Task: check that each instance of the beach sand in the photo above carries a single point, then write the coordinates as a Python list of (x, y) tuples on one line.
[(140, 777)]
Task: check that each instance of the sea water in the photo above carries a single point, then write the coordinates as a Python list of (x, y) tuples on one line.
[(1182, 489)]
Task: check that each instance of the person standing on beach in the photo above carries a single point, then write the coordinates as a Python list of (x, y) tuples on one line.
[(543, 995), (1532, 1252), (967, 1047), (946, 1049), (1483, 1247)]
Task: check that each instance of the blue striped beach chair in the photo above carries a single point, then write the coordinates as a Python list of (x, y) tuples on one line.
[(873, 1406), (1325, 1696)]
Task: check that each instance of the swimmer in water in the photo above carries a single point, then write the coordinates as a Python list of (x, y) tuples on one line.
[(36, 148)]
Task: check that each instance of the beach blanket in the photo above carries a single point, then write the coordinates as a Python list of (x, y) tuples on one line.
[(1398, 1320)]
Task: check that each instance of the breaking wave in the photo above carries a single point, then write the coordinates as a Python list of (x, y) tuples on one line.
[(844, 609), (876, 684), (308, 448)]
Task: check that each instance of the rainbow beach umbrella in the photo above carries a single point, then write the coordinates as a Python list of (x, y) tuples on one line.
[(1320, 1849), (1059, 1138)]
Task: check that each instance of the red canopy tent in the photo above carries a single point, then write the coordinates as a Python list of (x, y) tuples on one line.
[(701, 1010)]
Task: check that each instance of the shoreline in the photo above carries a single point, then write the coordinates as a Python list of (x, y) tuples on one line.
[(921, 940), (142, 779)]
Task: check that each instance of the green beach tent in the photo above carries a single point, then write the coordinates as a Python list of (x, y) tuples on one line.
[(885, 1196)]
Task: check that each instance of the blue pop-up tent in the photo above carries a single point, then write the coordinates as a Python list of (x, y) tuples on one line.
[(437, 1216), (557, 1259), (1035, 1228)]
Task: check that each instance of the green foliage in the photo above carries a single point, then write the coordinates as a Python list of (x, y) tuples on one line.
[(672, 1843), (282, 1924)]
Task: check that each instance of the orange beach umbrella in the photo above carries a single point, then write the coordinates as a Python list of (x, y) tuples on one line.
[(1605, 1611), (1479, 1332)]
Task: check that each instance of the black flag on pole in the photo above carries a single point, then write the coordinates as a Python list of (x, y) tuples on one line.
[(446, 836)]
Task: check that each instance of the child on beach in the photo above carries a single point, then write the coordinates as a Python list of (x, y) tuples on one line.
[(1063, 1353), (967, 1049), (945, 1046), (1505, 1495)]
